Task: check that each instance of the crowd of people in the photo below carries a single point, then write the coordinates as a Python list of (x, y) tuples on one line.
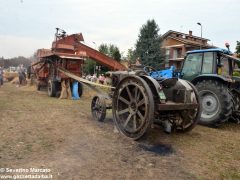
[(21, 72), (101, 78)]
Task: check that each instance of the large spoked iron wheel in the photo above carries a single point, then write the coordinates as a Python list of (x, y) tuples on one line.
[(98, 108), (190, 117), (133, 107)]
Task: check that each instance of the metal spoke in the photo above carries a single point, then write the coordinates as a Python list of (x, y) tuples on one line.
[(140, 103), (127, 121), (123, 111), (123, 100), (129, 94), (136, 93), (140, 115), (134, 122)]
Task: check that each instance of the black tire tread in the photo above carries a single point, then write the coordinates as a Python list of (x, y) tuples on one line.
[(225, 99)]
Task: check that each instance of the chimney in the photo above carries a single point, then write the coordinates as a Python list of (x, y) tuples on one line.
[(190, 33)]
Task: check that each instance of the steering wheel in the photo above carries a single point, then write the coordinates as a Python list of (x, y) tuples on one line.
[(150, 69)]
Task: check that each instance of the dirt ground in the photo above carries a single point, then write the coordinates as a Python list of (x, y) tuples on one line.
[(41, 132)]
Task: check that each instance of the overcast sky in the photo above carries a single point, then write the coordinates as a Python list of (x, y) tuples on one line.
[(27, 25)]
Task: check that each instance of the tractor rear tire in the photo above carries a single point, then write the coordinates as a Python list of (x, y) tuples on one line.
[(216, 102)]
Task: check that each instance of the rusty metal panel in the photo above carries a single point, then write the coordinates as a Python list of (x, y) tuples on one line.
[(176, 106)]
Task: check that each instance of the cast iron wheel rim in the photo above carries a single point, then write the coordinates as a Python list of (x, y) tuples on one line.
[(133, 107), (210, 105), (191, 117), (98, 108)]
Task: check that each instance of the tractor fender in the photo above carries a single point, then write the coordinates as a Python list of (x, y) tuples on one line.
[(153, 84), (215, 77)]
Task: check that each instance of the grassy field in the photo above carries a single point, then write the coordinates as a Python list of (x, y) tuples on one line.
[(42, 132)]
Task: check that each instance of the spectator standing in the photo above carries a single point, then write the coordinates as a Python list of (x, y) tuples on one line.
[(101, 79), (21, 74), (1, 76), (94, 78)]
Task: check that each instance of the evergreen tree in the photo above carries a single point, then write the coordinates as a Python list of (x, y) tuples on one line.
[(131, 55), (148, 45)]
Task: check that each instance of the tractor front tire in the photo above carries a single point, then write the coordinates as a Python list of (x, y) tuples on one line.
[(216, 102)]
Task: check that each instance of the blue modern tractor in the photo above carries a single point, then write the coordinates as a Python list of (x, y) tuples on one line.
[(214, 72)]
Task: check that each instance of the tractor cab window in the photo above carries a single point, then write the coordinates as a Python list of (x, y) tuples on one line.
[(207, 67), (223, 64), (192, 66)]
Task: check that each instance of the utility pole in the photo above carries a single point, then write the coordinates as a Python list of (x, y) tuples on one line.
[(201, 34)]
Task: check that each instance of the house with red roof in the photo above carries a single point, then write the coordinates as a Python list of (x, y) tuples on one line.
[(176, 44)]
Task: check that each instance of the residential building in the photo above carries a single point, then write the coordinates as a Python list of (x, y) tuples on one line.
[(176, 44)]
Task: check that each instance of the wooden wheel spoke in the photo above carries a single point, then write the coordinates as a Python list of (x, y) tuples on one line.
[(123, 111), (123, 100), (127, 121)]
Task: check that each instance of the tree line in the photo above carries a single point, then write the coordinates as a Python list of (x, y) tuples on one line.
[(16, 61)]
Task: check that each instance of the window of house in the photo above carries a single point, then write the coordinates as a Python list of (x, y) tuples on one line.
[(167, 55), (175, 54)]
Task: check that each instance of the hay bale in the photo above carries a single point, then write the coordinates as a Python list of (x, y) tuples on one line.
[(9, 76), (15, 80)]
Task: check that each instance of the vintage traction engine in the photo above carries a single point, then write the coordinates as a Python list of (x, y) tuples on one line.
[(136, 99)]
